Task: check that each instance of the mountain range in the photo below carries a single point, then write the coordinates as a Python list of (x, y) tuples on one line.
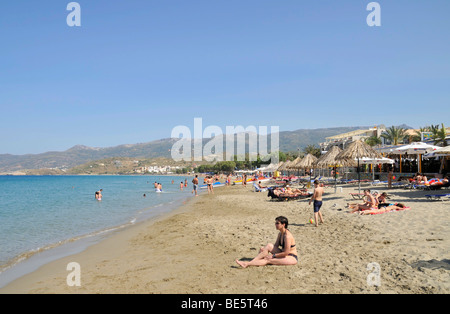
[(79, 154)]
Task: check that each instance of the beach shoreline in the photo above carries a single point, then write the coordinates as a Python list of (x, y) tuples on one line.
[(193, 250)]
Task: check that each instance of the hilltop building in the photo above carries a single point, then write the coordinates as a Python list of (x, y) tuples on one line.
[(342, 140)]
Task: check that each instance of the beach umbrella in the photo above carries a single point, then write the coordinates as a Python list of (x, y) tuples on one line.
[(330, 159), (416, 148), (443, 151), (309, 162), (280, 166), (440, 152), (285, 166), (376, 161), (293, 164), (356, 151)]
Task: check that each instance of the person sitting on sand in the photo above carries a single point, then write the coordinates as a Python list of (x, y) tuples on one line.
[(382, 200), (283, 252), (369, 204), (384, 209)]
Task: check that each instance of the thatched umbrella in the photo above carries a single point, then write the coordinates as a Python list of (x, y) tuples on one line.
[(307, 163), (330, 159), (356, 151), (285, 166), (293, 164), (280, 166)]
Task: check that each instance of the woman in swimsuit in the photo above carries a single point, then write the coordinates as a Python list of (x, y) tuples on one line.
[(283, 252), (385, 209)]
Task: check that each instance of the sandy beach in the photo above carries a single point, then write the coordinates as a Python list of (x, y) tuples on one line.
[(193, 250)]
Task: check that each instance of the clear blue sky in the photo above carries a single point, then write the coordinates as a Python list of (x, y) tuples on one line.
[(136, 69)]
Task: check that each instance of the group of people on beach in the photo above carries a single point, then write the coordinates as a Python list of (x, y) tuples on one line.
[(375, 204), (420, 178)]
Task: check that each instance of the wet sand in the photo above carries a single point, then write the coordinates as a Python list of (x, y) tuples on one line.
[(193, 250)]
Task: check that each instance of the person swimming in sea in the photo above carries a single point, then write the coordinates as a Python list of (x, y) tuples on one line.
[(98, 195)]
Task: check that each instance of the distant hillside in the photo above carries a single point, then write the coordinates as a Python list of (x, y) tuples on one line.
[(294, 140), (78, 155)]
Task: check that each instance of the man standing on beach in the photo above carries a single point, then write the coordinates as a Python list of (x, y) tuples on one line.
[(390, 175), (317, 198), (195, 184)]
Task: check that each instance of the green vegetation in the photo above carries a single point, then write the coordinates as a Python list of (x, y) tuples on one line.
[(439, 136), (394, 135), (373, 141)]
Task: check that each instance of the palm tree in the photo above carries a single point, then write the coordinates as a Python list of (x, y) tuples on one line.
[(313, 150), (439, 136), (394, 135), (434, 129), (373, 141), (418, 136)]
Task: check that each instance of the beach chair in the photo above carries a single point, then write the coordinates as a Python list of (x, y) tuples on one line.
[(357, 196), (286, 197), (398, 185), (258, 189), (435, 187), (441, 197)]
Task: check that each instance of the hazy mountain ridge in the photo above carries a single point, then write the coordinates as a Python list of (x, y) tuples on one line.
[(80, 154)]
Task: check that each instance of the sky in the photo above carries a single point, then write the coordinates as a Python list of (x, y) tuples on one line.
[(135, 70)]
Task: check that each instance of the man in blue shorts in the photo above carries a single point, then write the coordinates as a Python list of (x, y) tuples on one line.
[(317, 198)]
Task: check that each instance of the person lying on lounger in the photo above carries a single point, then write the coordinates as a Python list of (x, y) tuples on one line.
[(369, 204), (436, 181), (260, 186), (385, 209), (283, 252)]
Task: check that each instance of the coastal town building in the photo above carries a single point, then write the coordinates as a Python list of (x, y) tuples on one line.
[(342, 140)]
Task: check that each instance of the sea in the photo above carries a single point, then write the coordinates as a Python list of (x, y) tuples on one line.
[(43, 218)]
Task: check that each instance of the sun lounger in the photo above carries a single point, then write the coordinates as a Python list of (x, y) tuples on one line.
[(435, 187), (397, 184), (286, 197), (441, 197), (357, 196), (378, 182), (258, 189)]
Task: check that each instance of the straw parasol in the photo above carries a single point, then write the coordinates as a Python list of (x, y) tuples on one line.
[(357, 150), (293, 165), (285, 166), (307, 163), (280, 165), (330, 159)]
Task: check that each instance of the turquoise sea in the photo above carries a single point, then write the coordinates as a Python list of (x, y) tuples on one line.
[(38, 213)]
